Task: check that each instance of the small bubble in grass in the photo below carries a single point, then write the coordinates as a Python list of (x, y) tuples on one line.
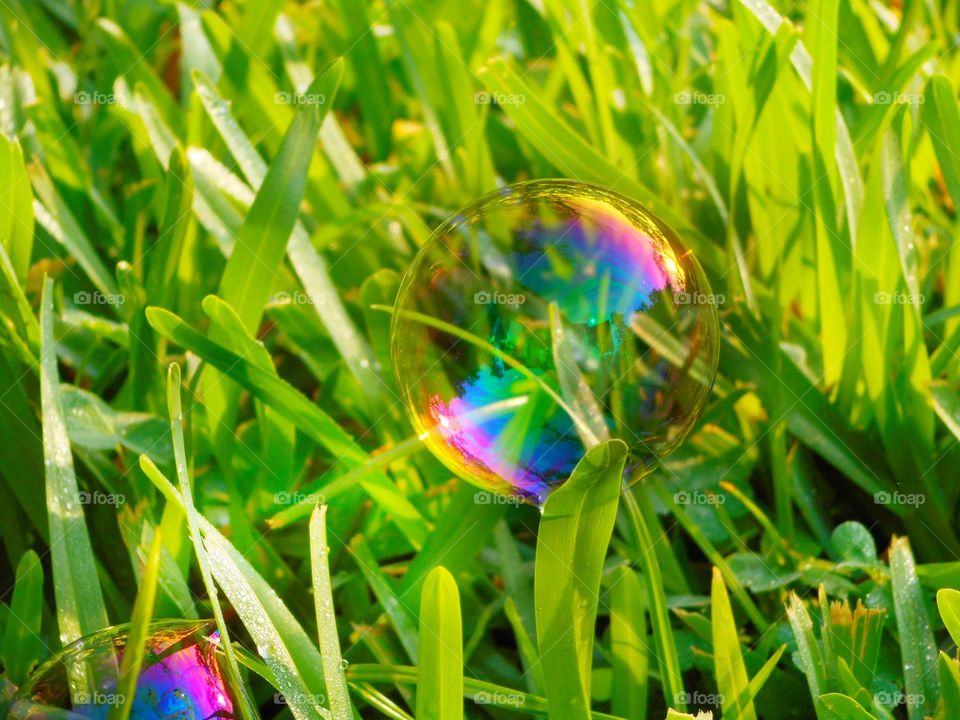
[(181, 677), (543, 319)]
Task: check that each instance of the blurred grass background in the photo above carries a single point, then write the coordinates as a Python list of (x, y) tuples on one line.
[(233, 185)]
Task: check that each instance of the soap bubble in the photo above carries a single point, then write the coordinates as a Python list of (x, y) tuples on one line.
[(543, 319), (181, 678)]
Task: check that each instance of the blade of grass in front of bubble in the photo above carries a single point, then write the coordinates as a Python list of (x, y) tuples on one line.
[(440, 686), (338, 697), (582, 425), (175, 410), (133, 651), (572, 542)]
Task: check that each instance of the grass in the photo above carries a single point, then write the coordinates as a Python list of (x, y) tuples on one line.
[(234, 189)]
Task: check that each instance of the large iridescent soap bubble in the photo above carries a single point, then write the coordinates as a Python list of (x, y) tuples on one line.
[(543, 319), (181, 678)]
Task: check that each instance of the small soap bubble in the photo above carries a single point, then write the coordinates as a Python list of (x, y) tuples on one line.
[(181, 677), (543, 319)]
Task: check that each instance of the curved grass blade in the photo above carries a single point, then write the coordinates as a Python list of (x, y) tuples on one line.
[(440, 685), (575, 530)]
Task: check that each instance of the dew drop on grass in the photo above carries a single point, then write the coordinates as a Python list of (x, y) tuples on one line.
[(543, 319), (181, 677)]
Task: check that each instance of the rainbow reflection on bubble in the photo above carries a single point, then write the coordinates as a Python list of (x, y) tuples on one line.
[(547, 317), (181, 678)]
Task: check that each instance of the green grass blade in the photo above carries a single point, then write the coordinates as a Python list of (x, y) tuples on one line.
[(810, 656), (628, 645), (843, 707), (666, 652), (917, 644), (948, 602), (572, 542), (941, 117), (440, 685), (946, 402), (175, 409), (80, 608), (22, 646), (337, 694), (133, 653), (16, 208), (262, 239), (729, 669)]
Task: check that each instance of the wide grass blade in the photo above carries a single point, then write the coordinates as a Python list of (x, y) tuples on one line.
[(440, 684), (572, 542)]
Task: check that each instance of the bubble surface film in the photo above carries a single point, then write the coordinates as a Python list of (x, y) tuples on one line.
[(547, 317), (181, 678)]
